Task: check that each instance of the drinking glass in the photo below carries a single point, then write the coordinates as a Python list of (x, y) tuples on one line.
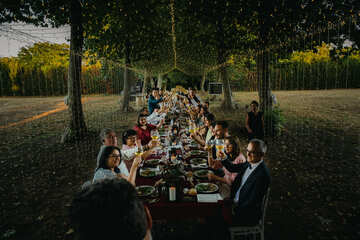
[(220, 145), (139, 151), (191, 129), (155, 135)]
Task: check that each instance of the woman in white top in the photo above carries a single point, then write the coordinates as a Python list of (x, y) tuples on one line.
[(109, 163)]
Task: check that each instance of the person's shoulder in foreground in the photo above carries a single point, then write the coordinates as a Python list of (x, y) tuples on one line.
[(109, 209)]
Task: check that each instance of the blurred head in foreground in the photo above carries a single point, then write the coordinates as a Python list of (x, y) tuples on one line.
[(109, 209)]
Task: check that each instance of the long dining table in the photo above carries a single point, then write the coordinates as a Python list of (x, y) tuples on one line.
[(187, 207)]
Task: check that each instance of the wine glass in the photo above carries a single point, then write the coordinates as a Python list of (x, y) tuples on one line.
[(220, 144), (155, 135), (197, 129), (191, 129), (139, 153)]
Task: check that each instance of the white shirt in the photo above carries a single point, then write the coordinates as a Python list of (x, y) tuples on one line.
[(246, 175), (123, 169), (155, 118), (194, 102), (101, 174), (126, 155), (208, 135)]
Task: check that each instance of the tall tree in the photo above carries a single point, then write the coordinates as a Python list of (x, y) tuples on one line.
[(56, 13), (128, 32), (276, 22), (217, 36)]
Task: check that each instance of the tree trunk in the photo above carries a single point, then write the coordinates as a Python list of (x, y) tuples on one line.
[(77, 122), (264, 88), (203, 80), (126, 90), (159, 82), (227, 103), (146, 85)]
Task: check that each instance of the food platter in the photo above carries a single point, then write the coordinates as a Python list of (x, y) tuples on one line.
[(194, 145), (206, 188), (145, 190), (152, 162), (148, 172), (202, 173), (197, 152), (198, 163), (163, 133)]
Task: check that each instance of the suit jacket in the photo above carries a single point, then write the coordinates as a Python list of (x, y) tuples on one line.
[(248, 209)]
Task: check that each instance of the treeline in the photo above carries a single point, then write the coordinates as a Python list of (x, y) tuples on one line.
[(42, 70), (324, 67)]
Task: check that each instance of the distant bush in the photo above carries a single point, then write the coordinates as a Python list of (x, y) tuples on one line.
[(274, 121)]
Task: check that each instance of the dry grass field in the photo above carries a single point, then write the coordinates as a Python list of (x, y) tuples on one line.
[(314, 163)]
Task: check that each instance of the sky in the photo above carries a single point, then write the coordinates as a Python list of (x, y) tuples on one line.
[(15, 36)]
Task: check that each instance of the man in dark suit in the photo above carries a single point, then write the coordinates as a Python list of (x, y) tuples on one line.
[(250, 185)]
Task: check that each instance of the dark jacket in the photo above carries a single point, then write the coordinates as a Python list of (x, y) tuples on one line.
[(248, 209)]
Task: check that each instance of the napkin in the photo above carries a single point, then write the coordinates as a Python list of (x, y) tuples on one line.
[(209, 198)]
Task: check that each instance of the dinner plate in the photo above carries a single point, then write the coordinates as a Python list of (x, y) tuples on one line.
[(148, 172), (206, 188), (202, 173), (144, 190), (152, 162), (194, 145), (199, 163), (197, 152), (163, 133)]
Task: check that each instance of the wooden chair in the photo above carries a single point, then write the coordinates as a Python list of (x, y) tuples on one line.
[(243, 232)]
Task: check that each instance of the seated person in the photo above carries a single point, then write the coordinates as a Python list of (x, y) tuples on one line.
[(144, 111), (108, 138), (130, 141), (220, 131), (233, 154), (254, 122), (143, 129), (161, 92), (202, 111), (109, 161), (193, 98), (156, 116), (209, 122), (250, 185), (154, 100), (109, 209), (207, 105), (175, 135)]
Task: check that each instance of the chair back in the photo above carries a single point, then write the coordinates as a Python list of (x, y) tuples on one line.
[(264, 206)]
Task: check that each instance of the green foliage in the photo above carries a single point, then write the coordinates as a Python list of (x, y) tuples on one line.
[(5, 81), (135, 31), (42, 70), (179, 78), (274, 121), (320, 69)]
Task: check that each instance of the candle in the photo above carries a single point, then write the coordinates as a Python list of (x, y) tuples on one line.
[(172, 194)]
